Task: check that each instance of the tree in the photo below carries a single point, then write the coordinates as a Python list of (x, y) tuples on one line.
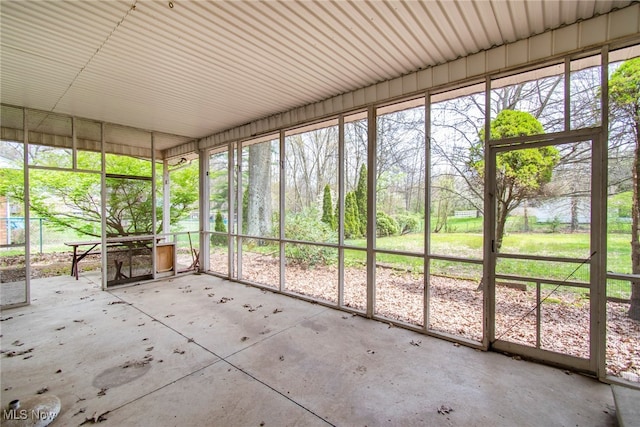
[(520, 174), (361, 199), (69, 200), (327, 208), (624, 97), (351, 217), (217, 239)]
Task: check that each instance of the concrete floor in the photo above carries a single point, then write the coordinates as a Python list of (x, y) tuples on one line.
[(198, 350)]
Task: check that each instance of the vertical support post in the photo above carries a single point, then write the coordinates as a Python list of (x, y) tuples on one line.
[(427, 216), (598, 268), (283, 179), (74, 144), (166, 198), (567, 94), (234, 227), (371, 208), (27, 213), (204, 208), (154, 226), (103, 206), (489, 257), (341, 170)]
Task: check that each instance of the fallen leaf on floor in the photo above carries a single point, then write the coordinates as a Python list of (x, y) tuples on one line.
[(345, 317), (43, 390), (207, 288), (281, 358), (211, 295), (170, 315), (444, 410), (177, 351), (116, 302), (370, 351), (59, 371), (149, 349), (243, 339), (224, 299), (190, 340), (96, 419), (60, 328), (80, 411), (103, 391), (415, 343), (27, 357), (6, 318), (19, 353), (17, 343), (79, 321), (277, 310)]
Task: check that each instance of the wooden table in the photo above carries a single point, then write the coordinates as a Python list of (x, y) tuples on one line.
[(79, 255)]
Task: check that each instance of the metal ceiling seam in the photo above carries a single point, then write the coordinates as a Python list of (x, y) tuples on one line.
[(355, 50), (381, 40), (443, 20), (158, 75), (300, 21), (481, 34), (535, 16), (416, 28), (357, 35), (134, 56), (437, 37), (281, 63), (520, 20), (352, 44), (385, 10), (464, 28), (315, 56), (96, 52), (273, 46)]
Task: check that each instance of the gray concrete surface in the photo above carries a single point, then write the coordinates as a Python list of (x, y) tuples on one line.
[(627, 402), (198, 350)]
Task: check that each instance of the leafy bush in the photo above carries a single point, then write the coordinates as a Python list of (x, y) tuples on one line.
[(306, 226), (408, 224), (385, 225)]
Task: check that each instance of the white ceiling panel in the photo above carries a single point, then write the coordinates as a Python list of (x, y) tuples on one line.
[(195, 68)]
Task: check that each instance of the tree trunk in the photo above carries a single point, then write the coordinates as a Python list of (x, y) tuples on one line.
[(574, 214), (501, 220), (259, 206)]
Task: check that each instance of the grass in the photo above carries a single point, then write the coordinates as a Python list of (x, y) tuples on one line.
[(464, 240)]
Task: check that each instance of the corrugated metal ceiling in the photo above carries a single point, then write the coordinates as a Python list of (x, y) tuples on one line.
[(194, 68)]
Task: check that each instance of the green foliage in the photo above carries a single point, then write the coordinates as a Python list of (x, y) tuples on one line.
[(408, 223), (351, 217), (512, 123), (245, 210), (219, 239), (361, 199), (624, 88), (306, 226), (327, 208), (385, 225)]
